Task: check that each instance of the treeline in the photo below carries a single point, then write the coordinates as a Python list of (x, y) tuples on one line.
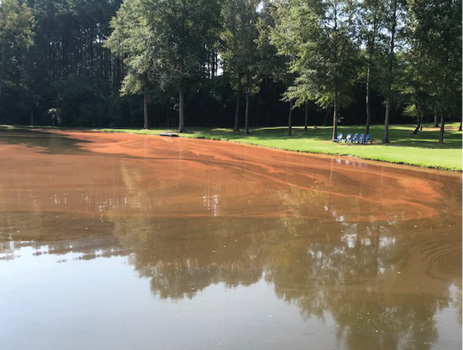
[(233, 63)]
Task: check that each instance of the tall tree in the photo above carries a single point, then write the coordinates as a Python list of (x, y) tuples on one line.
[(16, 36), (321, 37), (275, 58), (413, 82), (130, 40), (239, 50), (69, 36), (371, 22), (395, 16), (179, 34), (436, 33)]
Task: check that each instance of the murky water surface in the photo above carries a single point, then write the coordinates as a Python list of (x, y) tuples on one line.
[(112, 241)]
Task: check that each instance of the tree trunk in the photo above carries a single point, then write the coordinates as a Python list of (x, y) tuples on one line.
[(145, 108), (386, 119), (290, 118), (246, 116), (181, 110), (368, 82), (258, 108), (213, 63), (306, 112), (436, 122), (328, 110), (390, 73), (32, 117), (442, 126), (237, 113), (367, 103), (335, 118), (461, 120), (419, 126)]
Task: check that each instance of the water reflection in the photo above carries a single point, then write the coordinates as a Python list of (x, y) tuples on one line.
[(377, 251)]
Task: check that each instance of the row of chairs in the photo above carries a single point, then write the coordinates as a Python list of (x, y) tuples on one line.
[(353, 139)]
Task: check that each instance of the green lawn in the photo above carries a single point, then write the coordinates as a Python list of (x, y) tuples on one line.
[(404, 148)]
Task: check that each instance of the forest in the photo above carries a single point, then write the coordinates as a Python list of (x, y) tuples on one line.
[(230, 63)]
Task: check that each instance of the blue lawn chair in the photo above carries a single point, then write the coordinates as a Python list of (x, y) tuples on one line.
[(338, 138), (367, 139), (361, 138), (348, 138), (354, 138)]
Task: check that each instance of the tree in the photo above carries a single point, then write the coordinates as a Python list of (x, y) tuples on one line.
[(130, 40), (165, 42), (180, 31), (395, 14), (69, 37), (412, 85), (371, 18), (436, 34), (239, 50), (16, 36), (275, 59), (321, 37)]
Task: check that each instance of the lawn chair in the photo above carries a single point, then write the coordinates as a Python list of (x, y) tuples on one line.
[(361, 138), (355, 138), (367, 139), (338, 138), (348, 138)]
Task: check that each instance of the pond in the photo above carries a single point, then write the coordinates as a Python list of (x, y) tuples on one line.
[(116, 241)]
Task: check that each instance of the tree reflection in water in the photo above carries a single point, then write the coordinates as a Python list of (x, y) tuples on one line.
[(376, 279)]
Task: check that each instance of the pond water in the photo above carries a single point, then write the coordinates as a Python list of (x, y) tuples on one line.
[(115, 241)]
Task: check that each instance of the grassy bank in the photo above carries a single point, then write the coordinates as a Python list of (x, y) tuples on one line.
[(420, 150)]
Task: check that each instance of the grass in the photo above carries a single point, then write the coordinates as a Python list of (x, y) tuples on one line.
[(404, 148)]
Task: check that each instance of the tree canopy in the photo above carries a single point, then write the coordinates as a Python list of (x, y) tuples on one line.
[(16, 36), (120, 63)]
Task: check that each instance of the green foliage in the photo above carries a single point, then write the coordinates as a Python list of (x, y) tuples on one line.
[(178, 34), (270, 64), (16, 36), (239, 49), (371, 21), (393, 22), (319, 38), (79, 103), (69, 40), (436, 53), (164, 42), (129, 40)]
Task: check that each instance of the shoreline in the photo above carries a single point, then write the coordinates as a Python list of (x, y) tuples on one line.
[(445, 157)]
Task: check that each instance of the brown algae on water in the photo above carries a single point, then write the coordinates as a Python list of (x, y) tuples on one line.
[(117, 241)]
